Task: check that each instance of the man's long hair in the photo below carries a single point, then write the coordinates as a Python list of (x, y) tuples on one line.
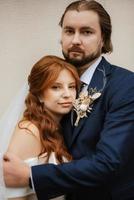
[(104, 20)]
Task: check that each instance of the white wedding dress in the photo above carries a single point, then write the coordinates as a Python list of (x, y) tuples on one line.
[(7, 124), (22, 192)]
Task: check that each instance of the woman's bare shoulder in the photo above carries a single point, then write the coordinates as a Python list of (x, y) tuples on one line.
[(25, 141), (28, 127)]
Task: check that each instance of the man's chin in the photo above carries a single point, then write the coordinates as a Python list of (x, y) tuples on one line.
[(76, 62), (75, 56)]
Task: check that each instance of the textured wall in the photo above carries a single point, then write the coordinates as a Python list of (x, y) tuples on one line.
[(29, 30)]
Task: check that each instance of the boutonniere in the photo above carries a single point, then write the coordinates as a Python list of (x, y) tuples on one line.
[(84, 103)]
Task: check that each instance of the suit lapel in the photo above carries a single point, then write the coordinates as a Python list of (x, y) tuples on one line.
[(67, 129), (98, 81)]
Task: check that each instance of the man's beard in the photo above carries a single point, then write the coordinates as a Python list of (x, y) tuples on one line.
[(83, 61)]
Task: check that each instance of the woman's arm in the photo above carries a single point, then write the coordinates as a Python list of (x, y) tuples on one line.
[(25, 142)]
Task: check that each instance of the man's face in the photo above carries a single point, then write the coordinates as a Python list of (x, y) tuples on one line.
[(81, 37)]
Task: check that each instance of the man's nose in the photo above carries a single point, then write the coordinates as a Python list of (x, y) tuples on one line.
[(76, 39)]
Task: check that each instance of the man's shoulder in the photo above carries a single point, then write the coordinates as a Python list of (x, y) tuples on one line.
[(119, 79), (118, 72), (122, 75), (116, 68)]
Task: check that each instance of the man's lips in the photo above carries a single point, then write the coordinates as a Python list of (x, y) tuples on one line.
[(75, 50)]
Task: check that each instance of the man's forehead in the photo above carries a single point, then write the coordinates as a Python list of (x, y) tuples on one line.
[(83, 19)]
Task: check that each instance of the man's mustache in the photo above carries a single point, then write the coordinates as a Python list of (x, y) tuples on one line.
[(75, 49)]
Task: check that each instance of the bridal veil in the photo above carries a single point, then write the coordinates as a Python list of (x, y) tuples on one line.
[(7, 124)]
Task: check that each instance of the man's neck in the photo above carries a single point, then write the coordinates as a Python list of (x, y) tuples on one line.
[(83, 68)]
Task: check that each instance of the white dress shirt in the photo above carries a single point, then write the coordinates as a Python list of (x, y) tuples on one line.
[(88, 74)]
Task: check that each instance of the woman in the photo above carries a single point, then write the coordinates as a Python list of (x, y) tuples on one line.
[(38, 136)]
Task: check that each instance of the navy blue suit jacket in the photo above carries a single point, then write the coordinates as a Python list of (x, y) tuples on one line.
[(102, 145)]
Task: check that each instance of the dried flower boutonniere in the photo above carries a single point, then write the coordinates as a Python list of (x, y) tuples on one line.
[(84, 103)]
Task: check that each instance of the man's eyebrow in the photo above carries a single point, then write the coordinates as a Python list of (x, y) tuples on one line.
[(86, 28), (82, 28), (68, 27)]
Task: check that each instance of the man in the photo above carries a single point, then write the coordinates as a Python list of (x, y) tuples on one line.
[(102, 144)]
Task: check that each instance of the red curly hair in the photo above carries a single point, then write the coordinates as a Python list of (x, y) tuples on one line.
[(42, 76)]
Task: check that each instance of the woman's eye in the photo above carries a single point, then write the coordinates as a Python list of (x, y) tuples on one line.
[(55, 87), (72, 87)]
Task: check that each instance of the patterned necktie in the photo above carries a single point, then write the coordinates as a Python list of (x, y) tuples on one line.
[(83, 87)]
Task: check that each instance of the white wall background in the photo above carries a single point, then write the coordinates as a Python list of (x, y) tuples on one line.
[(29, 30)]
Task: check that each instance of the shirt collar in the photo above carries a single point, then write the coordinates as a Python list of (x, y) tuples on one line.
[(87, 75)]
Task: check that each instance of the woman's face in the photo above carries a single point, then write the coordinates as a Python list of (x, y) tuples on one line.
[(59, 97)]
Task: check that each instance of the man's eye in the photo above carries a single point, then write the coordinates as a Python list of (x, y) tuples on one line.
[(86, 32), (69, 32)]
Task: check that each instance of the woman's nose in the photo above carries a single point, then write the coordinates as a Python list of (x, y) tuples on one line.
[(66, 93)]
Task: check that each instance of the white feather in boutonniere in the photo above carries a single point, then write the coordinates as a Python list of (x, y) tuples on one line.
[(84, 103)]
